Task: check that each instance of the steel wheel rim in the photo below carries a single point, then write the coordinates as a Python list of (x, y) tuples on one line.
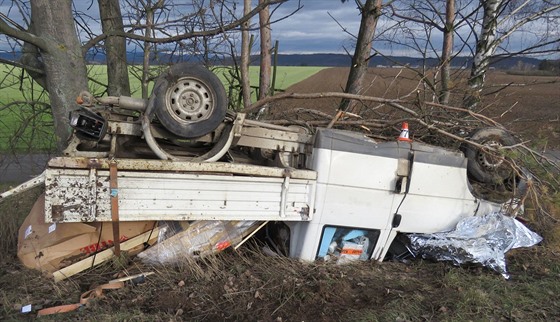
[(190, 100), (486, 160)]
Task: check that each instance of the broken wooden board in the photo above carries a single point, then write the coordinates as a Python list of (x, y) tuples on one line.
[(104, 256), (37, 181)]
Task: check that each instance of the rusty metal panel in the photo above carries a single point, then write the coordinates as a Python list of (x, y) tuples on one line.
[(83, 195)]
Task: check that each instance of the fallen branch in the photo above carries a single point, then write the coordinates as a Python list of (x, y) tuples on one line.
[(396, 103)]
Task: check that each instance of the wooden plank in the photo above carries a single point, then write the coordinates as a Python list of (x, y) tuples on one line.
[(37, 181), (103, 256)]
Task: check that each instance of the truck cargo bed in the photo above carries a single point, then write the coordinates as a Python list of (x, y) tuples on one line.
[(78, 190)]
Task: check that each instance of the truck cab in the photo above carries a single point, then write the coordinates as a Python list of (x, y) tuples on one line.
[(368, 192)]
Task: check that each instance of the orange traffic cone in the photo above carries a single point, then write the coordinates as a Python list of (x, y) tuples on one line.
[(404, 133)]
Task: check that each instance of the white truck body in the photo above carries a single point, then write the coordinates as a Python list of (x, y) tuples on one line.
[(356, 192)]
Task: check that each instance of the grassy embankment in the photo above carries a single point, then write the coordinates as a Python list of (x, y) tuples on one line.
[(34, 126)]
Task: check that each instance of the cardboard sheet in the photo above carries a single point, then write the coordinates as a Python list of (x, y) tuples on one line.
[(51, 246)]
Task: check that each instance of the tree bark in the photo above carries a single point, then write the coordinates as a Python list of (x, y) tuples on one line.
[(266, 58), (115, 48), (485, 48), (65, 68), (146, 50), (245, 57), (370, 11), (447, 51)]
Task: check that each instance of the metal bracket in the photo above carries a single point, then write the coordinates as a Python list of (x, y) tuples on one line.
[(284, 194)]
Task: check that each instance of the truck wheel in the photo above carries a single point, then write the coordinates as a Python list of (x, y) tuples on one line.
[(484, 166), (193, 104)]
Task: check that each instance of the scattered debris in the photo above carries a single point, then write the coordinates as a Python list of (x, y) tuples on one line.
[(26, 308), (132, 246), (135, 279)]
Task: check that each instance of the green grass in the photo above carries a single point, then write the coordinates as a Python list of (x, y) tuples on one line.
[(286, 76), (25, 127)]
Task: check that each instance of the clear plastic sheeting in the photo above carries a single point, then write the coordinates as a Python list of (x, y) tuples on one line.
[(481, 239), (178, 240)]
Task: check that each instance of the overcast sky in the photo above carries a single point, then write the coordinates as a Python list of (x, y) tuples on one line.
[(316, 28), (312, 30)]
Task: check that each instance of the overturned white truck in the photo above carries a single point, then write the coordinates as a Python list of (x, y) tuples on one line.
[(331, 194)]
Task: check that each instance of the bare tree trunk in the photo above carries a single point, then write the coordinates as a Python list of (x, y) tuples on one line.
[(447, 51), (149, 8), (115, 47), (370, 12), (245, 57), (485, 48), (65, 69), (266, 59)]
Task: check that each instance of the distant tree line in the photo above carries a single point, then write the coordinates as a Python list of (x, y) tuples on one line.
[(552, 66)]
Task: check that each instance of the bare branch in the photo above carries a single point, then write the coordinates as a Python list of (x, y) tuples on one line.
[(21, 34), (424, 21), (524, 21), (194, 34), (20, 65)]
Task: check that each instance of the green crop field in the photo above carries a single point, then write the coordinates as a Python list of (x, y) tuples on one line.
[(31, 124), (285, 77)]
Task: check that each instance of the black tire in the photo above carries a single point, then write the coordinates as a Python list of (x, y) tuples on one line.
[(483, 166), (193, 103)]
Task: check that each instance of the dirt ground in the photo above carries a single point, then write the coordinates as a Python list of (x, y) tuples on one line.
[(526, 105), (247, 285)]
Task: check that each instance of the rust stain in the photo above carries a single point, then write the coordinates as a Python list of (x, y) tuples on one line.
[(94, 164)]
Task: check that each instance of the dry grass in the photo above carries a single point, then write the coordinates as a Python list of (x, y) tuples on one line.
[(13, 211), (251, 286)]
